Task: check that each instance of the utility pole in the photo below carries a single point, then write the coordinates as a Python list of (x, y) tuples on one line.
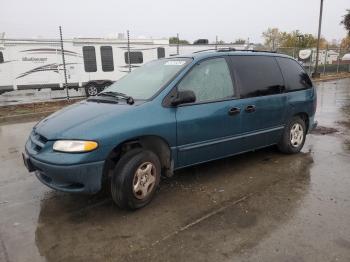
[(300, 37), (178, 44), (316, 74), (128, 44), (64, 64)]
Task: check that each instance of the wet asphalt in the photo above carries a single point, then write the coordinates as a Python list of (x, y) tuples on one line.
[(259, 206)]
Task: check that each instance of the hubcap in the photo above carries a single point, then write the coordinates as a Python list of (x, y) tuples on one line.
[(296, 135), (92, 90), (144, 180)]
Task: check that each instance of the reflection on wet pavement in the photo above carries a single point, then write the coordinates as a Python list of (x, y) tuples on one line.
[(259, 206)]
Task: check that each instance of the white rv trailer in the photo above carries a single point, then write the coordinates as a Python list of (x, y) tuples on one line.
[(91, 63), (308, 56)]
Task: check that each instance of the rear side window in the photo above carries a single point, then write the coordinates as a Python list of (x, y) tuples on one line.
[(135, 58), (294, 75), (160, 52), (1, 58), (257, 75), (89, 56), (107, 58), (209, 80)]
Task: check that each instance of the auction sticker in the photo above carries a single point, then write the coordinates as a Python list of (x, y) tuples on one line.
[(175, 62)]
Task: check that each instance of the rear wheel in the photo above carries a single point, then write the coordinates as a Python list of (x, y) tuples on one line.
[(91, 90), (135, 179), (293, 138)]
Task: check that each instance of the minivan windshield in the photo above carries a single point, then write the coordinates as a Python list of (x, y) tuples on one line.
[(144, 82)]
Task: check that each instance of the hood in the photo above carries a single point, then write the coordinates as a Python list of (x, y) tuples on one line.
[(79, 121)]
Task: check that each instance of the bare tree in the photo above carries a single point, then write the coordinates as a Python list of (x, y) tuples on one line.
[(272, 38)]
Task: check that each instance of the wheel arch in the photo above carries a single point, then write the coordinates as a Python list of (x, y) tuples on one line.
[(305, 117), (154, 143), (99, 83)]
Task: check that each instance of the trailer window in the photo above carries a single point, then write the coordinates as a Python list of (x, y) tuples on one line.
[(1, 58), (161, 52), (89, 56), (107, 58), (135, 58)]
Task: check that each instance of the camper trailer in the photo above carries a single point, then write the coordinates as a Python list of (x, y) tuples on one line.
[(90, 63)]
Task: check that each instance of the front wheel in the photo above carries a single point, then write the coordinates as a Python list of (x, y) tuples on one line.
[(293, 138), (135, 179)]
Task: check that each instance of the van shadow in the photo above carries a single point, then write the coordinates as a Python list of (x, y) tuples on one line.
[(75, 227)]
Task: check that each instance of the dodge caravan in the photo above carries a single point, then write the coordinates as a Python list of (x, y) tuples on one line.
[(170, 114)]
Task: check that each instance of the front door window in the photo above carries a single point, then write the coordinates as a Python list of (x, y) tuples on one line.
[(209, 80)]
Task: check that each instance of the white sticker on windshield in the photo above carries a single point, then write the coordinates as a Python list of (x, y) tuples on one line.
[(175, 62)]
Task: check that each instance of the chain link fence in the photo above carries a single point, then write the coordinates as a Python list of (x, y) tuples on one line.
[(331, 60)]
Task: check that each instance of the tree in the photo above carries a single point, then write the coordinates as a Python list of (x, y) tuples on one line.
[(345, 43), (239, 41), (174, 40), (272, 38), (346, 21), (296, 39)]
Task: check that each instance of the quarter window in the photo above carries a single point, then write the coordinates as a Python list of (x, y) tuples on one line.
[(107, 58), (294, 75), (160, 52), (257, 75), (209, 80), (135, 58), (89, 56), (1, 58)]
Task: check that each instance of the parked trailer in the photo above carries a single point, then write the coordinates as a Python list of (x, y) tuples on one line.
[(91, 63)]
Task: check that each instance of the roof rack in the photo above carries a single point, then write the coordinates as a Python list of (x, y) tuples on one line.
[(204, 50), (224, 49), (228, 49), (260, 51)]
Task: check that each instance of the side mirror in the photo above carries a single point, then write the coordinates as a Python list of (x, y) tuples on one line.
[(183, 97)]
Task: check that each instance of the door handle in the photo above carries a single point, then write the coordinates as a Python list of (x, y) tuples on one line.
[(234, 111), (250, 109)]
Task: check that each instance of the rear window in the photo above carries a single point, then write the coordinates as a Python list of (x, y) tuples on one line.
[(294, 75), (257, 75), (89, 56), (161, 52), (135, 58), (1, 58), (107, 58)]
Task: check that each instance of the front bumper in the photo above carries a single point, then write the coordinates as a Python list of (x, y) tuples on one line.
[(80, 178)]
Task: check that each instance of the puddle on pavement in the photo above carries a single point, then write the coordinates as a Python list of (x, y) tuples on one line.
[(322, 130)]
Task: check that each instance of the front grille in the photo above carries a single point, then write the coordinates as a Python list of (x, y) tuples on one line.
[(38, 141)]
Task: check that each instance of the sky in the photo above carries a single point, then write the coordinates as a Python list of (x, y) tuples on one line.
[(192, 19)]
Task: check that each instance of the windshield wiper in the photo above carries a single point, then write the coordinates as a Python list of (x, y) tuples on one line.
[(128, 99)]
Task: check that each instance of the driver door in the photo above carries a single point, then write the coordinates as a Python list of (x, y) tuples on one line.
[(208, 129)]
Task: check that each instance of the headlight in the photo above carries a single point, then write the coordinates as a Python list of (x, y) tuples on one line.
[(74, 146)]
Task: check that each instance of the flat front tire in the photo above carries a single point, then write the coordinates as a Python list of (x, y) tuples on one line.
[(135, 179), (293, 138)]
